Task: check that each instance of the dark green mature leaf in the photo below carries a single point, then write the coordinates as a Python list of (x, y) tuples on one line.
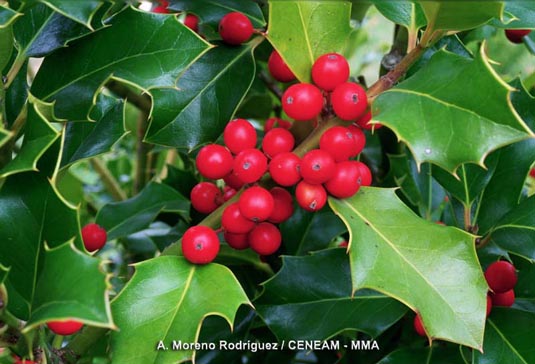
[(167, 300), (405, 12), (6, 45), (126, 50), (7, 16), (310, 299), (81, 11), (508, 338), (429, 355), (523, 103), (444, 15), (517, 15), (439, 115), (301, 31), (135, 214), (423, 264), (16, 95), (210, 92)]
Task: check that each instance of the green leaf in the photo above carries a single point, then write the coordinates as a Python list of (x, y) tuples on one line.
[(16, 95), (81, 11), (6, 46), (167, 299), (428, 355), (508, 338), (422, 264), (135, 214), (517, 15), (310, 299), (209, 93), (39, 136), (7, 16), (406, 13), (523, 103), (5, 135), (156, 237), (301, 31), (439, 115), (444, 15), (125, 50)]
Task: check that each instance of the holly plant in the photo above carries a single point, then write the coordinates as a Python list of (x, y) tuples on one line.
[(267, 181)]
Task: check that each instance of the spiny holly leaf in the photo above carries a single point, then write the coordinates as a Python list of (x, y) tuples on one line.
[(39, 136), (445, 120), (81, 11), (301, 31), (517, 15), (508, 338), (428, 355), (135, 214), (310, 299), (167, 299), (444, 15), (523, 103), (209, 93), (407, 13), (422, 264), (125, 50)]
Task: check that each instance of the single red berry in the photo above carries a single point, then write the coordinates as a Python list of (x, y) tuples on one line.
[(310, 197), (346, 180), (19, 360), (330, 70), (204, 197), (317, 166), (489, 305), (516, 35), (501, 276), (250, 165), (284, 169), (276, 141), (214, 161), (418, 326), (302, 101), (359, 138), (235, 28), (343, 244), (265, 238), (237, 241), (233, 221), (505, 299), (365, 174), (339, 142), (162, 7), (239, 134), (200, 244), (532, 172), (94, 237), (228, 193), (276, 123), (256, 204), (279, 69), (192, 22), (349, 101), (283, 205), (364, 122), (233, 181), (66, 327)]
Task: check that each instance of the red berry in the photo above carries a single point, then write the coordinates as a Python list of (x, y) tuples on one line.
[(237, 241), (250, 165), (283, 205), (358, 137), (276, 122), (339, 142), (204, 197), (346, 180), (330, 70), (228, 193), (310, 197), (317, 166), (343, 244), (516, 35), (233, 181), (256, 204), (265, 238), (234, 222), (364, 122), (235, 28), (239, 134), (162, 7), (67, 327), (489, 305), (192, 22), (94, 237), (302, 101), (501, 276), (284, 169), (532, 172), (276, 141), (200, 244), (418, 326), (214, 161), (279, 69), (505, 299), (365, 174), (349, 101)]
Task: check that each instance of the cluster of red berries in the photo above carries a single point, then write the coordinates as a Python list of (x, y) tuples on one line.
[(516, 35)]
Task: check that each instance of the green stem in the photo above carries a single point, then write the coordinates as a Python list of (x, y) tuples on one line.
[(109, 181), (14, 70), (143, 167), (57, 342), (468, 217), (10, 320), (81, 344)]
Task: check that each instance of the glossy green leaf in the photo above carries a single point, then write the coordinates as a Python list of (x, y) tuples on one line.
[(125, 50), (429, 355), (167, 300), (156, 237), (405, 12), (6, 46), (310, 299), (16, 96), (437, 113), (444, 15), (79, 10), (7, 16), (523, 103), (422, 264), (517, 15), (135, 214), (209, 93), (301, 31)]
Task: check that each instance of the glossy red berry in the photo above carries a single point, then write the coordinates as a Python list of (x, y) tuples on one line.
[(256, 204), (364, 122), (200, 244), (235, 28), (204, 197), (94, 237), (250, 165), (358, 137), (505, 299), (239, 134), (349, 101), (214, 161), (233, 181), (276, 141), (339, 142), (489, 305), (279, 69), (302, 101), (310, 197), (501, 276), (283, 207), (418, 326), (237, 241), (532, 172), (346, 180), (516, 35), (330, 70), (265, 238), (228, 193), (192, 22), (284, 169), (365, 174), (234, 222), (66, 327), (276, 123), (317, 166), (161, 8)]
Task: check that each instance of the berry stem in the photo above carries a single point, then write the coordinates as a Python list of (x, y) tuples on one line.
[(109, 181), (57, 342)]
